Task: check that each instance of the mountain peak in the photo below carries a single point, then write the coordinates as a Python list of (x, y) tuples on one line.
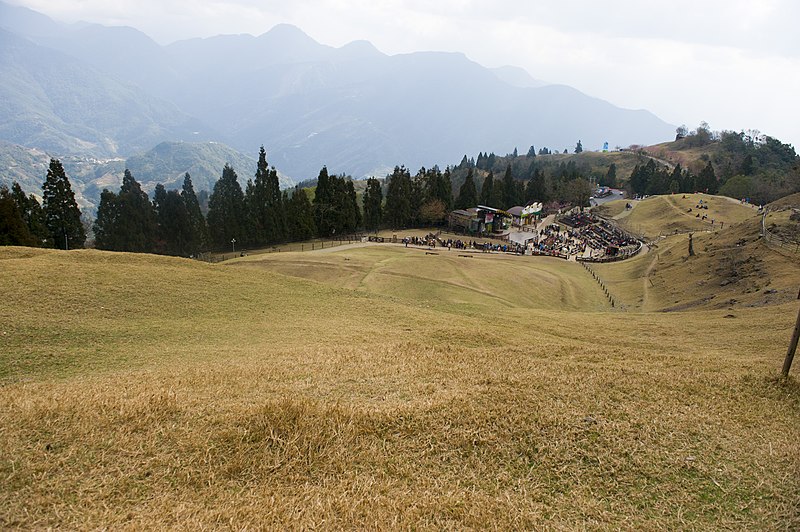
[(286, 32), (360, 50)]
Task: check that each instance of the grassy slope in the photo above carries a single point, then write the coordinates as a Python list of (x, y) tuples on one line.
[(663, 215), (150, 392)]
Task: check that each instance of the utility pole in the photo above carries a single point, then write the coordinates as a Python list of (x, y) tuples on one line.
[(233, 244), (787, 364)]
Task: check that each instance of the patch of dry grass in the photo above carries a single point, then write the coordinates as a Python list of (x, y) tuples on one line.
[(147, 392), (731, 269), (446, 279), (665, 215)]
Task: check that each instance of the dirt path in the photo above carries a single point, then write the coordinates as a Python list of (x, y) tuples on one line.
[(626, 212), (646, 282)]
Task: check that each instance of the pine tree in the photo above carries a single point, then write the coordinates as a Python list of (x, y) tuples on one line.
[(105, 225), (254, 228), (276, 229), (302, 227), (352, 197), (136, 223), (535, 189), (707, 180), (301, 216), (498, 193), (61, 214), (676, 179), (510, 198), (174, 226), (610, 179), (487, 190), (13, 229), (397, 213), (226, 210), (32, 215), (197, 223), (418, 197), (373, 200), (323, 208), (531, 152), (578, 147), (467, 195)]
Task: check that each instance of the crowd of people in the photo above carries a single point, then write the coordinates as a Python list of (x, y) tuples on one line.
[(554, 242), (432, 240), (585, 236)]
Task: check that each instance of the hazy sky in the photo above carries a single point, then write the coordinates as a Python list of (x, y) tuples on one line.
[(732, 63)]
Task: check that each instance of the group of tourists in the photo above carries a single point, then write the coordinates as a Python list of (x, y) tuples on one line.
[(432, 240), (586, 236)]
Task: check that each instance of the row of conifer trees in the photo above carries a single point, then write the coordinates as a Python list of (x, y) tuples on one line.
[(260, 215)]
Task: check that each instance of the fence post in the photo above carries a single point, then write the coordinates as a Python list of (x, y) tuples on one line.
[(787, 363)]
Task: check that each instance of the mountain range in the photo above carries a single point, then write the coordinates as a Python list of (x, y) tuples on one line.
[(98, 92)]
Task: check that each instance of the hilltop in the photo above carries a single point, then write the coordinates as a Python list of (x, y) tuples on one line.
[(385, 386)]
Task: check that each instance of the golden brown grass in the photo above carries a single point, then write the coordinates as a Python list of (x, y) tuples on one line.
[(146, 392), (664, 215), (612, 209), (477, 282)]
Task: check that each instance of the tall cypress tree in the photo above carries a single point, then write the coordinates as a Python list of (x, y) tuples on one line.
[(707, 180), (300, 216), (352, 201), (61, 214), (467, 195), (136, 222), (373, 199), (510, 198), (487, 190), (198, 234), (397, 212), (174, 227), (226, 210), (275, 207), (610, 179), (106, 223), (13, 229), (324, 215), (32, 215), (417, 197), (265, 204), (535, 189)]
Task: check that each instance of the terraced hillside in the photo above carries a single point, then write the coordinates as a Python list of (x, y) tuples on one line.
[(381, 387)]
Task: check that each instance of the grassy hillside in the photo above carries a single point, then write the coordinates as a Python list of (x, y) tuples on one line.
[(448, 280), (380, 387), (664, 215)]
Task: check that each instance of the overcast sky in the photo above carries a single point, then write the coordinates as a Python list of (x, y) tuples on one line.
[(732, 63)]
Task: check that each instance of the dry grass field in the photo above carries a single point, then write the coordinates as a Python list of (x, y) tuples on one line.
[(664, 215), (380, 388)]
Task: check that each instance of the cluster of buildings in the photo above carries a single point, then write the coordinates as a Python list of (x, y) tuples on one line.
[(495, 223)]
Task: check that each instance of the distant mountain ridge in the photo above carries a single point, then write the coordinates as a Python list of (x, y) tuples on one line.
[(353, 108), (166, 163)]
